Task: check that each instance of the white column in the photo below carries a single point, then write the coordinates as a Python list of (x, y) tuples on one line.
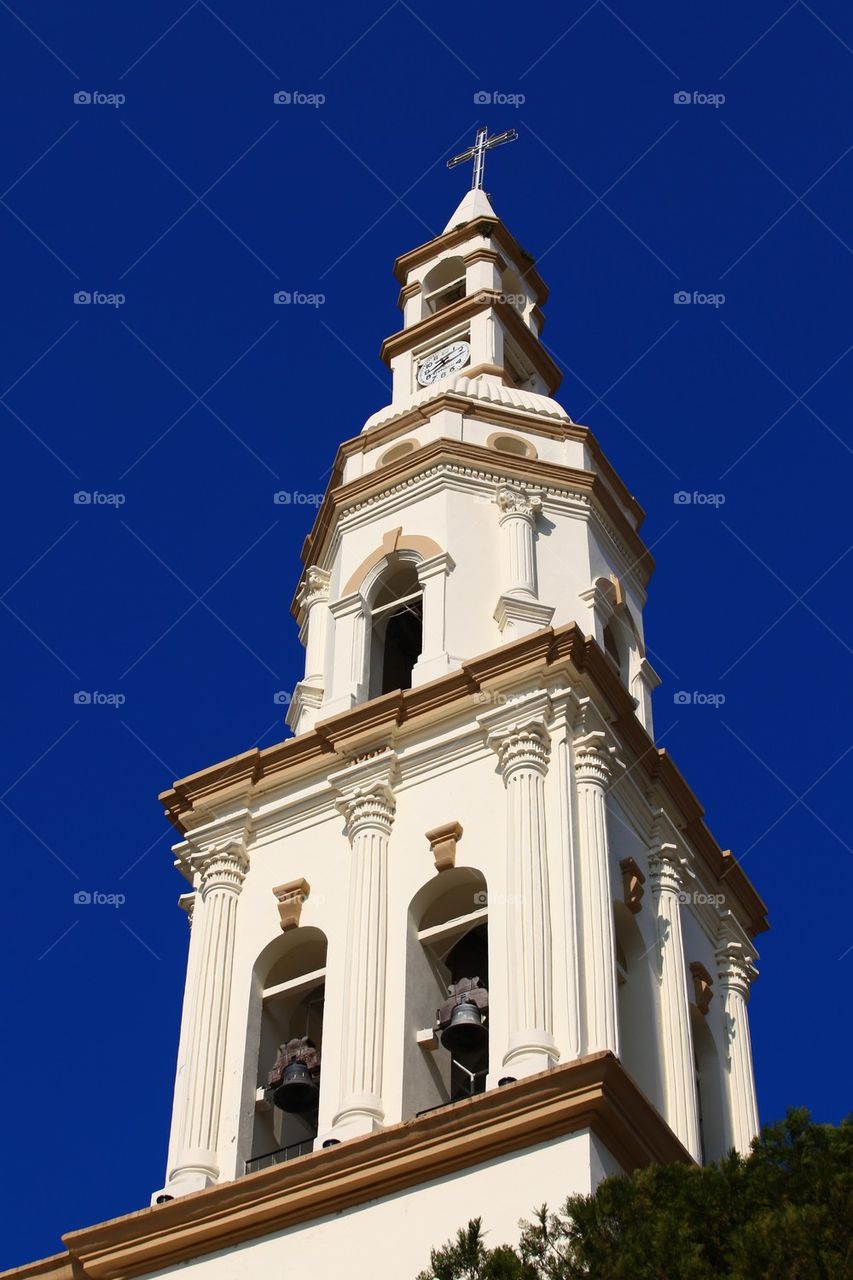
[(567, 935), (518, 611), (679, 1066), (313, 601), (434, 661), (196, 1163), (523, 751), (592, 760), (369, 815), (348, 654), (736, 971)]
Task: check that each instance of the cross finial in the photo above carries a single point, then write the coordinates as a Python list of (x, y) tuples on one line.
[(477, 153)]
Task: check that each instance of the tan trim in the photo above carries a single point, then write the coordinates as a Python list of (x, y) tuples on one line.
[(375, 483), (529, 449), (417, 542), (59, 1266), (702, 987), (245, 776), (442, 843), (504, 238), (632, 884), (593, 1093), (290, 898), (481, 255)]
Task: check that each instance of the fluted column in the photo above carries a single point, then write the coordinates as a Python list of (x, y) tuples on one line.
[(369, 814), (681, 1102), (736, 971), (518, 611), (593, 770), (434, 661), (195, 1161), (347, 654), (523, 751), (313, 600)]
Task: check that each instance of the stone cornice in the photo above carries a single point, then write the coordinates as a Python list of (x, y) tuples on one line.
[(242, 780), (494, 467), (593, 1093)]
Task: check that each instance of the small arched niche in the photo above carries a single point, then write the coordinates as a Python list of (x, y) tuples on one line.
[(443, 285), (513, 290), (447, 941), (396, 452), (395, 606), (289, 987), (638, 1044), (513, 445)]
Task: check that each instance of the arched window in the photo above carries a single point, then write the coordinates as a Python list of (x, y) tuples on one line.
[(709, 1089), (396, 629), (290, 980), (637, 1012), (616, 648), (444, 284), (447, 949)]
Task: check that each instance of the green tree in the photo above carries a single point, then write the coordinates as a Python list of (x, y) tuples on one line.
[(784, 1212)]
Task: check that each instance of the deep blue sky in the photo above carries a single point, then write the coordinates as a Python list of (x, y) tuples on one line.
[(197, 199)]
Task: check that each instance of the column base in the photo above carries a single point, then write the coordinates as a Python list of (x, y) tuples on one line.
[(518, 616), (426, 669), (185, 1182), (361, 1116), (536, 1052)]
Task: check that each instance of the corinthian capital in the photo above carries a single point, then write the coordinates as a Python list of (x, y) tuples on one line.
[(368, 806), (594, 759), (512, 500), (522, 746), (735, 967), (224, 867), (667, 868), (314, 587)]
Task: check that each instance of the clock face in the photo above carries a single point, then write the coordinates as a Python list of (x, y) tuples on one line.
[(442, 362)]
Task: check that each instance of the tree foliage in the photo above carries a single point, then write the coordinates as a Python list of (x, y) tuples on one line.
[(784, 1212)]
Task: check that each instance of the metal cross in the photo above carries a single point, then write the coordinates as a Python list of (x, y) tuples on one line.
[(477, 153)]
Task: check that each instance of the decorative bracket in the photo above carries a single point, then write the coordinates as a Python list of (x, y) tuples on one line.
[(290, 898), (632, 884), (442, 843)]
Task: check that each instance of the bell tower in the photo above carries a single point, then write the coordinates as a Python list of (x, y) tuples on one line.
[(462, 943)]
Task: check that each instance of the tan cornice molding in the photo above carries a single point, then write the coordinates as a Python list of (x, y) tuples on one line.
[(191, 800), (375, 483), (59, 1266), (503, 237), (594, 1093)]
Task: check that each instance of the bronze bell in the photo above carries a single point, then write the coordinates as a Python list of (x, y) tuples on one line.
[(465, 1031), (298, 1091)]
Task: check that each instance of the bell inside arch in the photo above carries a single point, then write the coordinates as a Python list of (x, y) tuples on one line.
[(466, 1030), (298, 1091)]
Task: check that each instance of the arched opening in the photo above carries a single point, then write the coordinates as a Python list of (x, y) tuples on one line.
[(396, 452), (513, 290), (709, 1090), (511, 444), (290, 980), (637, 1012), (396, 629), (616, 648), (447, 949), (443, 285)]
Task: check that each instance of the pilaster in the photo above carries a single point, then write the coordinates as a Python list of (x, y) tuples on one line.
[(736, 972)]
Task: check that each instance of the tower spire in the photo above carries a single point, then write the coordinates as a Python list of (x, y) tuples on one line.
[(477, 153)]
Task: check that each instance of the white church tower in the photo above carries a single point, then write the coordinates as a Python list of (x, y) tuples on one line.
[(462, 944)]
